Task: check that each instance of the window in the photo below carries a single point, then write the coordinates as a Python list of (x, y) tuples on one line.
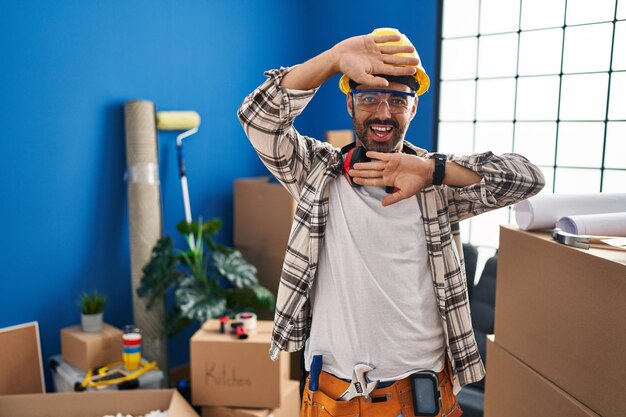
[(546, 79)]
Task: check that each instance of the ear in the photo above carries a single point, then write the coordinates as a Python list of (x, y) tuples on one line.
[(349, 104)]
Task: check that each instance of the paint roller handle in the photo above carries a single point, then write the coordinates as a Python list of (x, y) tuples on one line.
[(181, 161)]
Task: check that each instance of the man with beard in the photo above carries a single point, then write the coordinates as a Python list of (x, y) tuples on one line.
[(373, 281)]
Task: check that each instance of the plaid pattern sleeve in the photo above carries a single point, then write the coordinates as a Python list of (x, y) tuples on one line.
[(267, 116), (303, 165), (507, 179)]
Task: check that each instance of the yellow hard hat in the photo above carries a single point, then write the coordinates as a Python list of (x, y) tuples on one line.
[(420, 75)]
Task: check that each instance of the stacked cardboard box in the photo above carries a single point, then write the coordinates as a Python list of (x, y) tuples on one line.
[(559, 313), (262, 221), (89, 350), (235, 377)]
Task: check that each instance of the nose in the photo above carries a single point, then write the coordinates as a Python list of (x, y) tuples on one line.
[(383, 112)]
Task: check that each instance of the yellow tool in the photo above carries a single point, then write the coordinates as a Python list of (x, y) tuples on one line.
[(188, 122), (113, 374)]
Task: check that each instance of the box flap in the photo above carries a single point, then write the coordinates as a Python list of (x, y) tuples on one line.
[(20, 356), (95, 404)]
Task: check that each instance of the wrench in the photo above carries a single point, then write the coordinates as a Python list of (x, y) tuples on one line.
[(360, 384)]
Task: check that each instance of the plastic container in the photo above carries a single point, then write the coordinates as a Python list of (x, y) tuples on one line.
[(65, 378)]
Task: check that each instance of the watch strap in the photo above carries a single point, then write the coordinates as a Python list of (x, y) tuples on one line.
[(440, 168)]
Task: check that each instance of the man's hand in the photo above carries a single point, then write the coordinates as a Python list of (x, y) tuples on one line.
[(408, 174), (361, 57)]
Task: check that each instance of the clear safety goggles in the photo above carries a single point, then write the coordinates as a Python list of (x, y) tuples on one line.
[(370, 100)]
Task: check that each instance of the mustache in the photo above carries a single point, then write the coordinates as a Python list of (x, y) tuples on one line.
[(388, 122)]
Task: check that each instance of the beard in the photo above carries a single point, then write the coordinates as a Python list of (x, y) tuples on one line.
[(364, 135)]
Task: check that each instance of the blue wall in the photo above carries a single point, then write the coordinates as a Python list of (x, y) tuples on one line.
[(69, 66)]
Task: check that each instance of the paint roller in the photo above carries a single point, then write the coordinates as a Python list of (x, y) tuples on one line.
[(187, 122)]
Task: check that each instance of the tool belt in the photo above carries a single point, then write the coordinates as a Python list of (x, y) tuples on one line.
[(389, 401)]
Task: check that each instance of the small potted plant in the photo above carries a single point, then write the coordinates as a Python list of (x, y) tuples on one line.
[(91, 307)]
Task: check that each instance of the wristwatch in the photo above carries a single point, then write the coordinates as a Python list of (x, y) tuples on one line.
[(440, 168)]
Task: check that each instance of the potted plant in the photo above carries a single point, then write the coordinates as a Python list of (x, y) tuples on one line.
[(209, 280), (91, 307)]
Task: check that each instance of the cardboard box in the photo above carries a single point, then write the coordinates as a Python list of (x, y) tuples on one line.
[(515, 390), (227, 371), (90, 350), (95, 404), (290, 406), (21, 371), (339, 138), (561, 311), (269, 266), (263, 215)]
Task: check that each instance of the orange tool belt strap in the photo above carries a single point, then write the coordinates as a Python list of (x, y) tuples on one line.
[(390, 401)]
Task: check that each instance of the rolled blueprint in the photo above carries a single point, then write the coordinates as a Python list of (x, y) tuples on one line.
[(544, 210), (605, 224), (145, 219)]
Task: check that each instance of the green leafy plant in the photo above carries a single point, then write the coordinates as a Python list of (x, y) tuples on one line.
[(209, 280), (91, 303)]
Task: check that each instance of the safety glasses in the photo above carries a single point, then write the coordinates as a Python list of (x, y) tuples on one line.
[(370, 100)]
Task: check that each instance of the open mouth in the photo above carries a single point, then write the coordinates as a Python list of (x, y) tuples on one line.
[(381, 133)]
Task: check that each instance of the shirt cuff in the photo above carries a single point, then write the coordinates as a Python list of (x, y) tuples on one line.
[(291, 102)]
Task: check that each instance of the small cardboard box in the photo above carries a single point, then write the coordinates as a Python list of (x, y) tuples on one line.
[(227, 371), (90, 350), (21, 371), (340, 138), (95, 404), (560, 310), (513, 389), (290, 406)]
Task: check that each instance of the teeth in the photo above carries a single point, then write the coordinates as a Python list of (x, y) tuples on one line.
[(381, 129)]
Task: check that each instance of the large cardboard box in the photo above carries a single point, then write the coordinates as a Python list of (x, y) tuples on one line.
[(95, 404), (263, 215), (290, 406), (515, 390), (561, 311), (21, 371), (227, 371), (89, 350)]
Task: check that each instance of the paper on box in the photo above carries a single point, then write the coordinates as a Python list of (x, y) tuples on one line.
[(561, 310), (515, 390), (89, 350), (227, 371)]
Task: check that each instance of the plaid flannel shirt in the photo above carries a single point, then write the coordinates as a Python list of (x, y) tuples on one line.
[(305, 166)]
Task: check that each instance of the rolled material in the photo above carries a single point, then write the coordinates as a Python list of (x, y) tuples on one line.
[(544, 210), (145, 218), (605, 224)]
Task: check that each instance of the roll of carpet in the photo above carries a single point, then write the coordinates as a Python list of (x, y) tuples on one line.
[(145, 218)]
